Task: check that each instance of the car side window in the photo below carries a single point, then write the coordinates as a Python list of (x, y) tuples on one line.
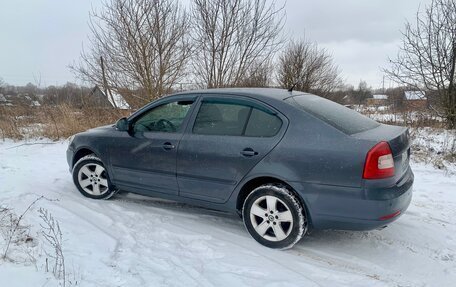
[(166, 118), (235, 119), (262, 124)]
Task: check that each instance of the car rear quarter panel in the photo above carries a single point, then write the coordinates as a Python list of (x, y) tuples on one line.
[(311, 151), (323, 165)]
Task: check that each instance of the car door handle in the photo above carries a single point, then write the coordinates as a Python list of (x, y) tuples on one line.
[(168, 146), (248, 152)]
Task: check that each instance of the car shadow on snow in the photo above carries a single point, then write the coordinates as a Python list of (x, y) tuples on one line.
[(169, 205), (180, 210), (314, 237)]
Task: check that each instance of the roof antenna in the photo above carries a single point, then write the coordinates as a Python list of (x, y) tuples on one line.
[(292, 87)]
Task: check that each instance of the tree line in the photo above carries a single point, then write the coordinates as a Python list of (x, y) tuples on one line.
[(151, 46), (148, 47), (69, 93), (144, 49)]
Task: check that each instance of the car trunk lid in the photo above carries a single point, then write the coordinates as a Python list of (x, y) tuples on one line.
[(398, 139)]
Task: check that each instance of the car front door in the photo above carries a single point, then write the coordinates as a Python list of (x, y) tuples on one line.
[(227, 138), (144, 158)]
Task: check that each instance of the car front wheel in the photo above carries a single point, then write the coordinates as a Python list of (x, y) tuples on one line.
[(274, 216), (91, 178)]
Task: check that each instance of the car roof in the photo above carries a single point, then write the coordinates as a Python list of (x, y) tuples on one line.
[(273, 93)]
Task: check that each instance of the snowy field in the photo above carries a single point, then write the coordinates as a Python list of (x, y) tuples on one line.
[(138, 241)]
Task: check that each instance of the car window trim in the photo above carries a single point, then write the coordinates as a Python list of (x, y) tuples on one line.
[(251, 102), (240, 101), (247, 122)]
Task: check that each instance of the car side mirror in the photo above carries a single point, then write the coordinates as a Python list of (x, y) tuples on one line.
[(123, 125)]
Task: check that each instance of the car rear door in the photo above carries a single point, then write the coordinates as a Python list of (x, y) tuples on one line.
[(225, 139), (144, 159)]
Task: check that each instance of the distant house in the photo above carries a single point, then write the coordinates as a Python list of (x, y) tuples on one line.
[(415, 95), (378, 100), (18, 100), (5, 101), (98, 98), (415, 99), (33, 103)]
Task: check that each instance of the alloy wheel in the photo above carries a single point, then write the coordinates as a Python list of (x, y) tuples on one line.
[(271, 218), (92, 179)]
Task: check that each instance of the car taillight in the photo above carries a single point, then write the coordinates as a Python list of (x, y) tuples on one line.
[(389, 216), (379, 162)]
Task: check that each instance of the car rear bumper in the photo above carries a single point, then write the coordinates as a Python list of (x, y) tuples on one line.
[(366, 208)]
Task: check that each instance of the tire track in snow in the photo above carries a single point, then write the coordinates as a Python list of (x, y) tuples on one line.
[(133, 245), (156, 206), (262, 252)]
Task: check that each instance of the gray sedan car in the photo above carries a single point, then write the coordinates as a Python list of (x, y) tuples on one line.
[(286, 161)]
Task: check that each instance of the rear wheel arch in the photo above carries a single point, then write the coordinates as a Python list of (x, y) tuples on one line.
[(252, 184)]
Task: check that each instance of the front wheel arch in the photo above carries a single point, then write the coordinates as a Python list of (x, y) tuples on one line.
[(82, 152)]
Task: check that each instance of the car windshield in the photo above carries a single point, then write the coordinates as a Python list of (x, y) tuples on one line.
[(344, 119)]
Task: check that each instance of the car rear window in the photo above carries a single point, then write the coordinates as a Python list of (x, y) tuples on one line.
[(338, 116)]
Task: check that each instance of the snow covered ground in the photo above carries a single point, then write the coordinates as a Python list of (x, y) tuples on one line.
[(138, 241)]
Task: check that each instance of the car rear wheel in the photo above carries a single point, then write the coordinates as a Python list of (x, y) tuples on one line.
[(91, 178), (274, 216)]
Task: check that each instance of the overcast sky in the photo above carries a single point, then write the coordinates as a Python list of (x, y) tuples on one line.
[(40, 38)]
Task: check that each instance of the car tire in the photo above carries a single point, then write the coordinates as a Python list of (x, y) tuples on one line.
[(274, 216), (91, 178)]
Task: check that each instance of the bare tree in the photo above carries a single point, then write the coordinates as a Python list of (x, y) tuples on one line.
[(308, 67), (427, 58), (362, 93), (396, 98), (258, 75), (144, 44), (232, 37)]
